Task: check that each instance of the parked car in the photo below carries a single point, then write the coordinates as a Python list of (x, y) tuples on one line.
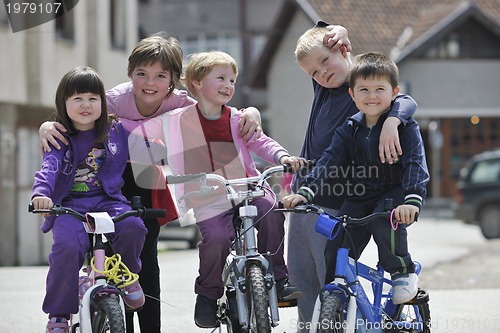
[(477, 197), (185, 230)]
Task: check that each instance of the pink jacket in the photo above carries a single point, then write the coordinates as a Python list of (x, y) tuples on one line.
[(168, 129)]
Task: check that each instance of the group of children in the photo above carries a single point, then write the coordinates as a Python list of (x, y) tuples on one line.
[(204, 134)]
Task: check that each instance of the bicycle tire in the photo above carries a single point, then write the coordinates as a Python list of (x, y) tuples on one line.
[(109, 317), (230, 310), (415, 311), (331, 318), (258, 302)]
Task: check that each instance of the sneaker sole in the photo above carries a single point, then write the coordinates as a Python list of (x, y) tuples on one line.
[(206, 326), (292, 296), (287, 304)]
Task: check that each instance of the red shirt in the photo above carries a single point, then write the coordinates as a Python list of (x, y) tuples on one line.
[(219, 155)]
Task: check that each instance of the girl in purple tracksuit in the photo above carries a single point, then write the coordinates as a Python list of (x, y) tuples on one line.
[(86, 176)]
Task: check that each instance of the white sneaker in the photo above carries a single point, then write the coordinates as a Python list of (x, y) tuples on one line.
[(404, 287)]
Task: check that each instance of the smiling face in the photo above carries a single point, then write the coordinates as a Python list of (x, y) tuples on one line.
[(84, 109), (217, 87), (373, 96), (151, 84), (329, 69)]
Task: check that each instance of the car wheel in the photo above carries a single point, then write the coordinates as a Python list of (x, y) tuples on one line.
[(489, 220)]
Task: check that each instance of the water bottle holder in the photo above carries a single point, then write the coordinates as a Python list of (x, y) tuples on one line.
[(328, 226)]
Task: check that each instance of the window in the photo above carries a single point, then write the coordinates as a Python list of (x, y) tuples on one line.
[(470, 40), (487, 171), (65, 26), (4, 20), (222, 41), (117, 22)]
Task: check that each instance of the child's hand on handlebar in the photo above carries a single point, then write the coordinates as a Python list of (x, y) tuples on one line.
[(295, 162), (406, 213), (42, 203), (292, 200)]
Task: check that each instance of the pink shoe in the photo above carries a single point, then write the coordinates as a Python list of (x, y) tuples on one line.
[(57, 325), (133, 296)]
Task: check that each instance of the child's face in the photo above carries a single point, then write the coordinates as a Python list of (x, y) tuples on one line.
[(84, 109), (329, 69), (217, 87), (151, 85), (373, 96)]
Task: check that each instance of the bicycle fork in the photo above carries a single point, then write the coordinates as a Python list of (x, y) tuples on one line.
[(98, 291), (248, 213)]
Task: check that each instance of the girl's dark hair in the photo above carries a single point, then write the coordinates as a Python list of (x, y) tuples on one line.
[(79, 81), (162, 48)]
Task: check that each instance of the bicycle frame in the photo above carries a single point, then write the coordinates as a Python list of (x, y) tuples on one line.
[(362, 315), (235, 270), (100, 291), (370, 313), (99, 288), (234, 274)]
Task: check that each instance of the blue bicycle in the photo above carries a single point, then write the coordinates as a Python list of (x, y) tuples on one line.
[(344, 306)]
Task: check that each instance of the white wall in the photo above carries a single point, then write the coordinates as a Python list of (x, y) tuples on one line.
[(290, 90), (32, 63), (453, 84)]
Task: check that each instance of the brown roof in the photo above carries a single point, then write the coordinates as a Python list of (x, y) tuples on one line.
[(377, 25), (381, 25)]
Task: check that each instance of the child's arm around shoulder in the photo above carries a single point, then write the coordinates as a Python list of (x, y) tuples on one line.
[(250, 123), (51, 136), (402, 109)]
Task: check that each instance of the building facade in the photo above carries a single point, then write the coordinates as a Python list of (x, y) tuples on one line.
[(94, 33), (448, 54)]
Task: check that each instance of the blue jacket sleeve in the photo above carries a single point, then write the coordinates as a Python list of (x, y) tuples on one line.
[(415, 172), (403, 108), (328, 169)]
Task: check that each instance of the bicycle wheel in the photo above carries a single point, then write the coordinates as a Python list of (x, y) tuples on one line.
[(109, 317), (257, 301), (331, 317), (415, 312)]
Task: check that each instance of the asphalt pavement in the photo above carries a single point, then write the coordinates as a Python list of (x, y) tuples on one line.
[(439, 244)]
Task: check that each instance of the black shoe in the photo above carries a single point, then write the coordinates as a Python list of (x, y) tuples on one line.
[(287, 291), (205, 312)]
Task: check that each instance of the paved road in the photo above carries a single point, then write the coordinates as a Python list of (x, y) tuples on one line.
[(469, 304)]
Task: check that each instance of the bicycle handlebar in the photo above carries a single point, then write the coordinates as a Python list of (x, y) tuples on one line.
[(259, 180), (309, 208), (139, 212)]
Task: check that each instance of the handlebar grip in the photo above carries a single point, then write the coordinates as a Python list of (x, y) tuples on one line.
[(179, 179), (154, 213), (309, 164)]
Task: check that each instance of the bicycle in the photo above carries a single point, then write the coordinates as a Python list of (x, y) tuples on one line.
[(343, 305), (249, 303), (102, 279)]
